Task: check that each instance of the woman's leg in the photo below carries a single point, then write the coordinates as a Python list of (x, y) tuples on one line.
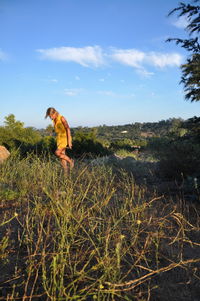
[(60, 153)]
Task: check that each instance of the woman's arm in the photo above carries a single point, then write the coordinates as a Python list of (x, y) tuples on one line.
[(66, 125)]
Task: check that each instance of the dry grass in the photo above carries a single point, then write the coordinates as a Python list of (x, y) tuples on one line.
[(93, 235)]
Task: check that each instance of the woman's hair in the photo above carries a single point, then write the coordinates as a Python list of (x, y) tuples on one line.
[(50, 111)]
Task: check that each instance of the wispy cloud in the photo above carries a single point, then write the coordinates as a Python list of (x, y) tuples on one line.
[(130, 57), (90, 56), (72, 92), (163, 59), (3, 56), (181, 22), (114, 94), (144, 73), (53, 80), (107, 93), (95, 56), (137, 59)]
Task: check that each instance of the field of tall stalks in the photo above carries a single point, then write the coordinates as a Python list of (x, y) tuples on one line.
[(93, 235)]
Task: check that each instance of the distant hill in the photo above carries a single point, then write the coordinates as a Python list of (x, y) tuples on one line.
[(135, 130)]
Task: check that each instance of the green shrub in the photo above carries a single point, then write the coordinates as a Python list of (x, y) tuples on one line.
[(88, 144), (180, 159)]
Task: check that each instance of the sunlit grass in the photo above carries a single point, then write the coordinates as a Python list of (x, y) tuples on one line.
[(93, 235)]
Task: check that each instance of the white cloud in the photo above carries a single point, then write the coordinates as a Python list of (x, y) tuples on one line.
[(137, 59), (181, 22), (130, 57), (90, 56), (71, 92), (163, 59), (95, 56)]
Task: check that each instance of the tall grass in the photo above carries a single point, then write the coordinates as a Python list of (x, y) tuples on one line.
[(93, 235)]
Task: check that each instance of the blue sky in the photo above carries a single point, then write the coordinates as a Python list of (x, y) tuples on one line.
[(96, 61)]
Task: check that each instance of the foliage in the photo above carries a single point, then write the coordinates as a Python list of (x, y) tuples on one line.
[(93, 236), (123, 153), (190, 70), (156, 145), (13, 134), (179, 157), (192, 125), (125, 143), (191, 12), (46, 145), (87, 143), (174, 142), (49, 130), (113, 134), (191, 77)]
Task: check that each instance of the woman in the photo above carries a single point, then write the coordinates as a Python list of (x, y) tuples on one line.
[(63, 138)]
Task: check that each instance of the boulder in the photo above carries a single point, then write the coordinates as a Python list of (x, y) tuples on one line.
[(4, 154), (110, 160), (128, 162)]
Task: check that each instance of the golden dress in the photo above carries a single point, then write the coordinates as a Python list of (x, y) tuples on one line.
[(60, 130)]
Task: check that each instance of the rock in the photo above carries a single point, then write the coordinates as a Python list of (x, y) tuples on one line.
[(128, 163), (114, 160), (143, 171), (106, 160), (4, 154), (99, 161)]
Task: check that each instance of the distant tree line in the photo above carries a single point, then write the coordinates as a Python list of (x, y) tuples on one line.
[(174, 142)]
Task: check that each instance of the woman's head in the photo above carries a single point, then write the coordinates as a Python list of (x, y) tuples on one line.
[(52, 113)]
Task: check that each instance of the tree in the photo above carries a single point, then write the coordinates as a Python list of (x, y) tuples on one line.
[(191, 77), (15, 135), (49, 130), (87, 143), (191, 70), (11, 123)]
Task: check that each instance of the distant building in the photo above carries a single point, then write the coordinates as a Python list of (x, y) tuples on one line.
[(124, 132), (147, 134), (134, 147)]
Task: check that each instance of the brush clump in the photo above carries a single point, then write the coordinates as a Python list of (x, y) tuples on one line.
[(93, 235)]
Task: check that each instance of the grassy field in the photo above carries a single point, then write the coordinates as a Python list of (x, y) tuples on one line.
[(94, 235)]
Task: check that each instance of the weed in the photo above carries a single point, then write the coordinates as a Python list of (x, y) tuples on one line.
[(94, 235)]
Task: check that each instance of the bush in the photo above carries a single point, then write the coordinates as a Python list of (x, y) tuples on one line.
[(88, 144), (180, 159)]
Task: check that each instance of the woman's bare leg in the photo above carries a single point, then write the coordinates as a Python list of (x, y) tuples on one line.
[(65, 160)]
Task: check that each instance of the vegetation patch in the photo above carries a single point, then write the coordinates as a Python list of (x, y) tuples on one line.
[(94, 235)]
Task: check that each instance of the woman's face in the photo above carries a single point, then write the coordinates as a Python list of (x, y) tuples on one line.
[(52, 116)]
